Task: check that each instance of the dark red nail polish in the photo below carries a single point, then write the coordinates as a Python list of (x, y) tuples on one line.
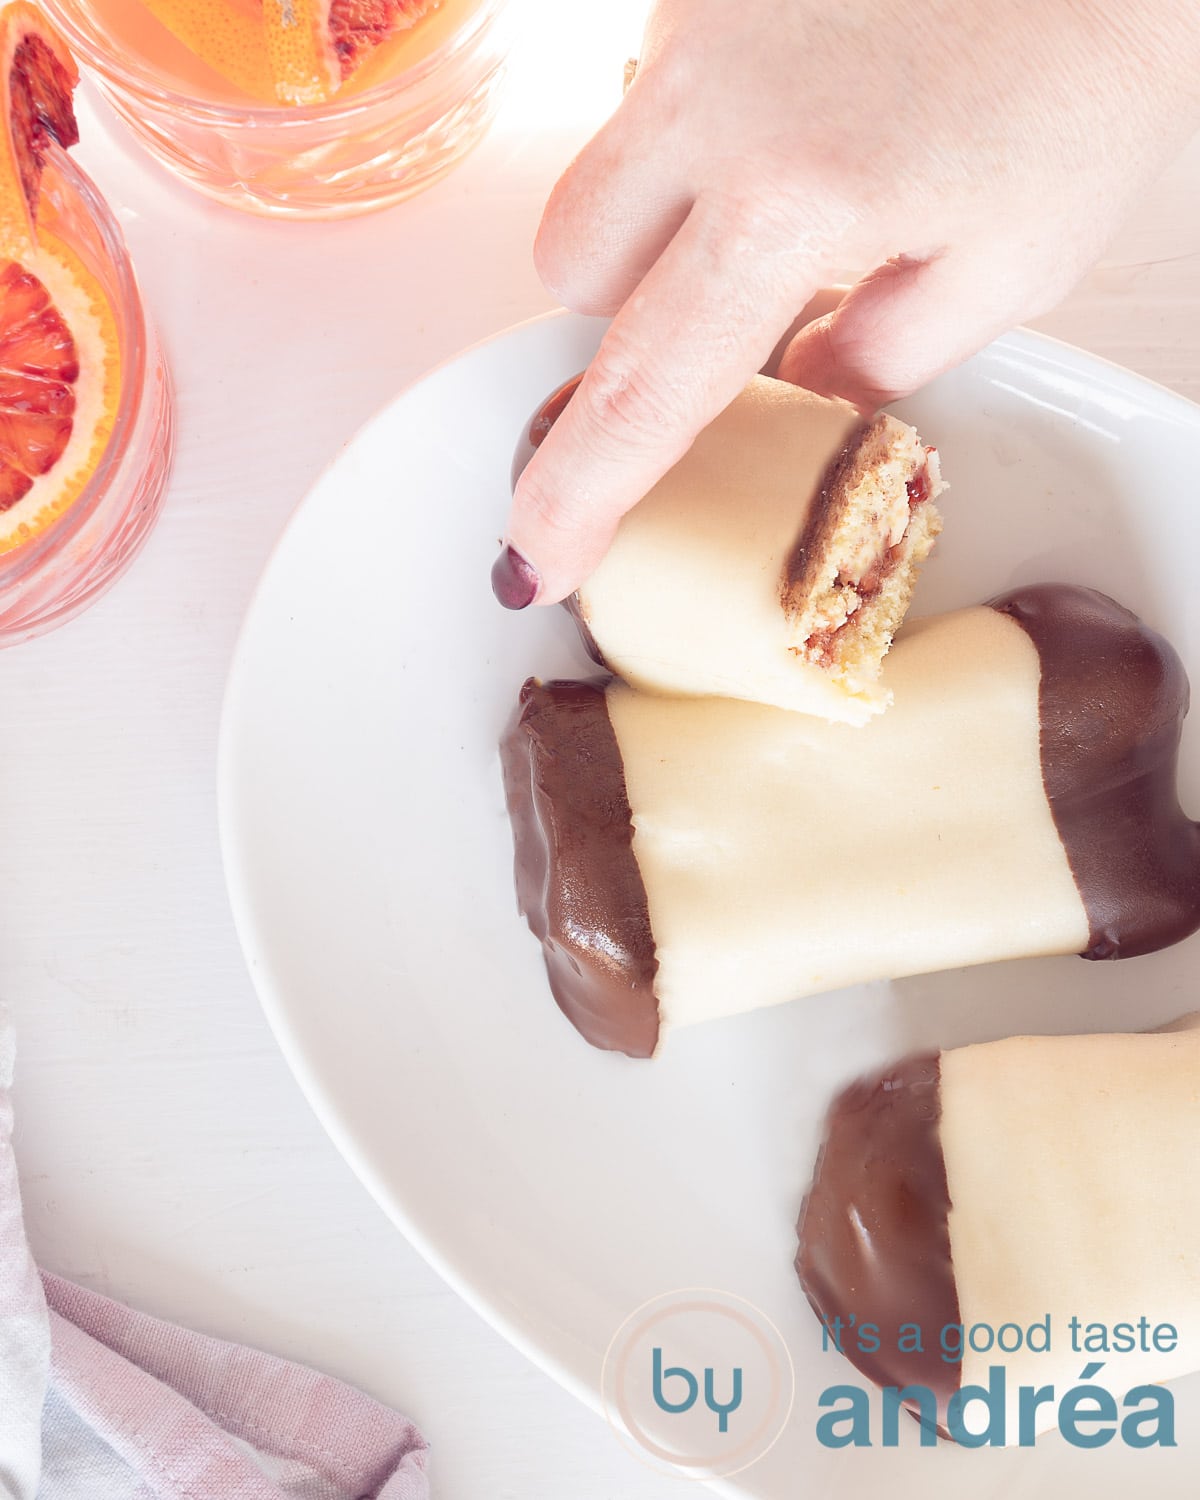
[(514, 582)]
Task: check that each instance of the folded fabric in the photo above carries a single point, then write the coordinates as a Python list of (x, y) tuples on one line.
[(102, 1402)]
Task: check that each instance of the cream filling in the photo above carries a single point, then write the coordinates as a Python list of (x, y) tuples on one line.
[(784, 856), (688, 597), (1071, 1167)]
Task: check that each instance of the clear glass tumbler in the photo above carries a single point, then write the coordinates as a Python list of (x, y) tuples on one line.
[(61, 570), (362, 150)]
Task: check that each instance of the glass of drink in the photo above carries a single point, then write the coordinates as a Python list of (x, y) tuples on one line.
[(85, 416), (297, 108)]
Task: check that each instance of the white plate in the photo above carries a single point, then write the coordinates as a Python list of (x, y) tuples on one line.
[(369, 862)]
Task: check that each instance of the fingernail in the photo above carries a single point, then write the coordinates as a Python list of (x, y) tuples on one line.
[(514, 581)]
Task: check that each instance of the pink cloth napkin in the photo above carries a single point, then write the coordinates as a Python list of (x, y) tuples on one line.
[(102, 1402)]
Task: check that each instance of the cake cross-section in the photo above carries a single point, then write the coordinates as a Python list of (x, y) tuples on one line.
[(773, 563)]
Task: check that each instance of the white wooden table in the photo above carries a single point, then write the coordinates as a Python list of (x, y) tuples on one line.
[(168, 1158)]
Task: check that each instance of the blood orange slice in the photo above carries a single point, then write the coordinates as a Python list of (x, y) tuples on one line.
[(288, 51), (315, 46), (37, 78), (225, 34), (59, 353)]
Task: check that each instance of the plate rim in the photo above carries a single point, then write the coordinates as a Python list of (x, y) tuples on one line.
[(270, 1000)]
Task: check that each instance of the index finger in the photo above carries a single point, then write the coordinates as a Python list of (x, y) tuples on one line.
[(702, 321)]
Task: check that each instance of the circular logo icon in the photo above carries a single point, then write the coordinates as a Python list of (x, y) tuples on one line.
[(698, 1383)]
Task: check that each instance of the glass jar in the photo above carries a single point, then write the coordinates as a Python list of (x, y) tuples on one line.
[(61, 570), (362, 150)]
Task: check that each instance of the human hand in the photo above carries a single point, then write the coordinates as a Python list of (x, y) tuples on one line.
[(971, 160)]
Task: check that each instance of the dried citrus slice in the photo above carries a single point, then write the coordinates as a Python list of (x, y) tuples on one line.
[(315, 46), (59, 354)]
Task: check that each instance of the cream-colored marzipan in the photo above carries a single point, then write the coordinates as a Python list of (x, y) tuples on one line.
[(1071, 1164), (783, 856), (688, 598)]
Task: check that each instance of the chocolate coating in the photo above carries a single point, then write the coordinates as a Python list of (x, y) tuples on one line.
[(873, 1229), (578, 883), (530, 441), (1112, 699), (540, 424), (1112, 702)]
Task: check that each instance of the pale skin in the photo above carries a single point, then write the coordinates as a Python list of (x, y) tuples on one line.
[(967, 159)]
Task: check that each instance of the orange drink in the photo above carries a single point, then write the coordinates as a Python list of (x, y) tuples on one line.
[(85, 429), (302, 108)]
